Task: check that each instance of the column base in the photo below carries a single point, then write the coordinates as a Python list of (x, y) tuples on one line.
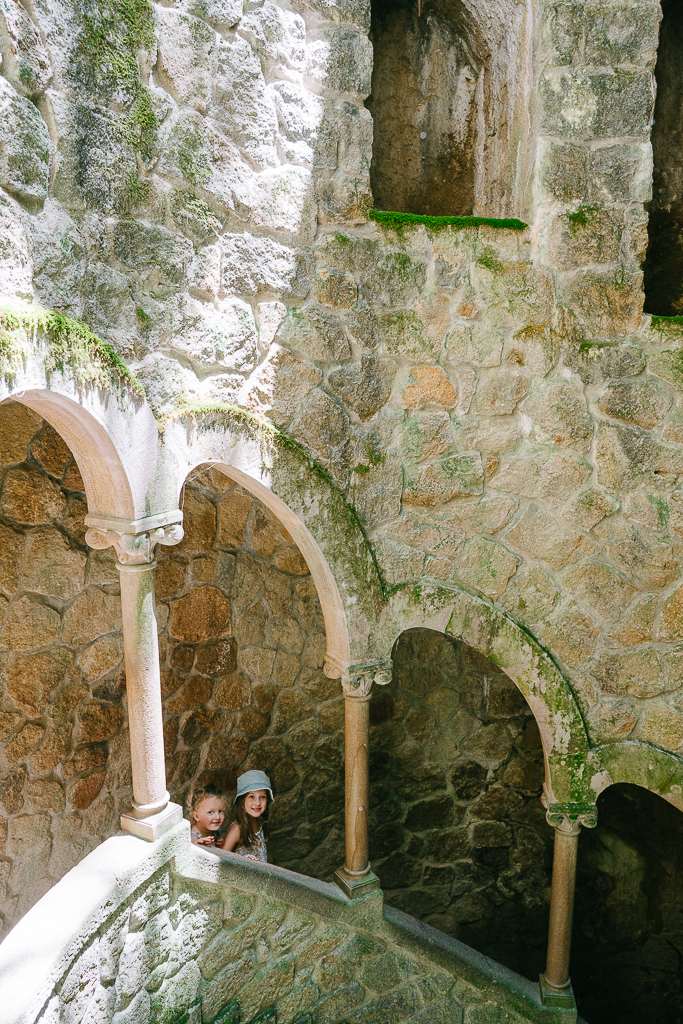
[(354, 886), (154, 826), (561, 997)]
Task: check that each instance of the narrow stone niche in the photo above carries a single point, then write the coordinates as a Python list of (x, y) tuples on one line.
[(664, 260), (425, 84)]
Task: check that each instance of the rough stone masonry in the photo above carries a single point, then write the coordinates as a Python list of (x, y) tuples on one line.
[(193, 180)]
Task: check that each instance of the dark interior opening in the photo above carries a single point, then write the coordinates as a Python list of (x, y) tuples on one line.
[(627, 949), (664, 260), (425, 83), (458, 835)]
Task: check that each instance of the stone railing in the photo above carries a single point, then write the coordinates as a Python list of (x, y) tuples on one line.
[(170, 933)]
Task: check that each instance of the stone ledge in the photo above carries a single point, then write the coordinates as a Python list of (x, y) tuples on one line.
[(39, 949), (45, 943)]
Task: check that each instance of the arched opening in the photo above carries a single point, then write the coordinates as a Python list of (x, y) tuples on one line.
[(242, 642), (64, 750), (458, 832), (664, 260), (627, 949), (449, 103)]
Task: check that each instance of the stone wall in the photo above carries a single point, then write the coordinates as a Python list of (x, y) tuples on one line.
[(242, 645), (64, 747), (493, 405), (458, 833)]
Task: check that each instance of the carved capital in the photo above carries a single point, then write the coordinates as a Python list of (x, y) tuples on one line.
[(568, 818), (358, 679), (134, 549)]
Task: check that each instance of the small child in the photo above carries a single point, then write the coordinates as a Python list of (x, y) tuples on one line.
[(207, 814), (248, 833)]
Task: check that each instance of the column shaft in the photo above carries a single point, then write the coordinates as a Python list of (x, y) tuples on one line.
[(356, 719), (562, 906), (143, 685)]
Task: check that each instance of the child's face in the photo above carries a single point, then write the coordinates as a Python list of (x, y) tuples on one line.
[(209, 813), (255, 803)]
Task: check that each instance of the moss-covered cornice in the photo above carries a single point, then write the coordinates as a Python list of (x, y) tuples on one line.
[(70, 345)]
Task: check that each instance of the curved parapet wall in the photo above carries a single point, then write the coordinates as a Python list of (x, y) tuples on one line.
[(170, 933)]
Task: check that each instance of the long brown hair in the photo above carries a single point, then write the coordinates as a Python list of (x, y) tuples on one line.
[(246, 823)]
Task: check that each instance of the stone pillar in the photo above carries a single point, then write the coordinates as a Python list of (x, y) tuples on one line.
[(556, 989), (355, 878), (151, 814)]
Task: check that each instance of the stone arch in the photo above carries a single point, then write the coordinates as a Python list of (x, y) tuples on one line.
[(106, 480), (627, 913), (64, 714), (304, 499), (571, 767), (458, 836), (242, 642), (643, 765)]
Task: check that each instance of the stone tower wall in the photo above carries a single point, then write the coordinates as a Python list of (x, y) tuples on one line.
[(493, 405)]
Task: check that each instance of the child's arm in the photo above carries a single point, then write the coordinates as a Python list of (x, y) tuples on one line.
[(232, 838)]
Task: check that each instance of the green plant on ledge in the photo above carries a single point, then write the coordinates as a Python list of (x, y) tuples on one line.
[(399, 221), (72, 345), (667, 321)]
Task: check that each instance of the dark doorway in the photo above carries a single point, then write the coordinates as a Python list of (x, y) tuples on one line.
[(627, 962), (664, 260), (458, 835), (425, 83)]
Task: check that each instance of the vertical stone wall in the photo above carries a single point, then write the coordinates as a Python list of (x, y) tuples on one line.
[(242, 645), (64, 748), (458, 832)]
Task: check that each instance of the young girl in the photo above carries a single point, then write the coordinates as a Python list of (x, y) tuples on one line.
[(248, 833), (207, 814)]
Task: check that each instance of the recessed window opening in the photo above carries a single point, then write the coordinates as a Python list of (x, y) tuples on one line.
[(664, 260), (426, 104)]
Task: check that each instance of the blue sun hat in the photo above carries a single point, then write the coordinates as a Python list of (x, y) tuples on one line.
[(251, 781)]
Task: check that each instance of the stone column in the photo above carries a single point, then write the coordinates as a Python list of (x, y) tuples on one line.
[(151, 814), (556, 989), (355, 878)]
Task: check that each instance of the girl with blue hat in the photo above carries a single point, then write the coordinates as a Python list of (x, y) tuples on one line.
[(249, 831)]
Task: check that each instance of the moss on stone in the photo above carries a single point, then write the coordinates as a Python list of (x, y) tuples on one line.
[(488, 258), (112, 38), (72, 345), (347, 527), (581, 218), (107, 55), (192, 159), (672, 322), (400, 221)]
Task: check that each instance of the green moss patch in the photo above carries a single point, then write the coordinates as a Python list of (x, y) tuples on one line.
[(72, 345), (400, 221), (668, 321), (581, 218)]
